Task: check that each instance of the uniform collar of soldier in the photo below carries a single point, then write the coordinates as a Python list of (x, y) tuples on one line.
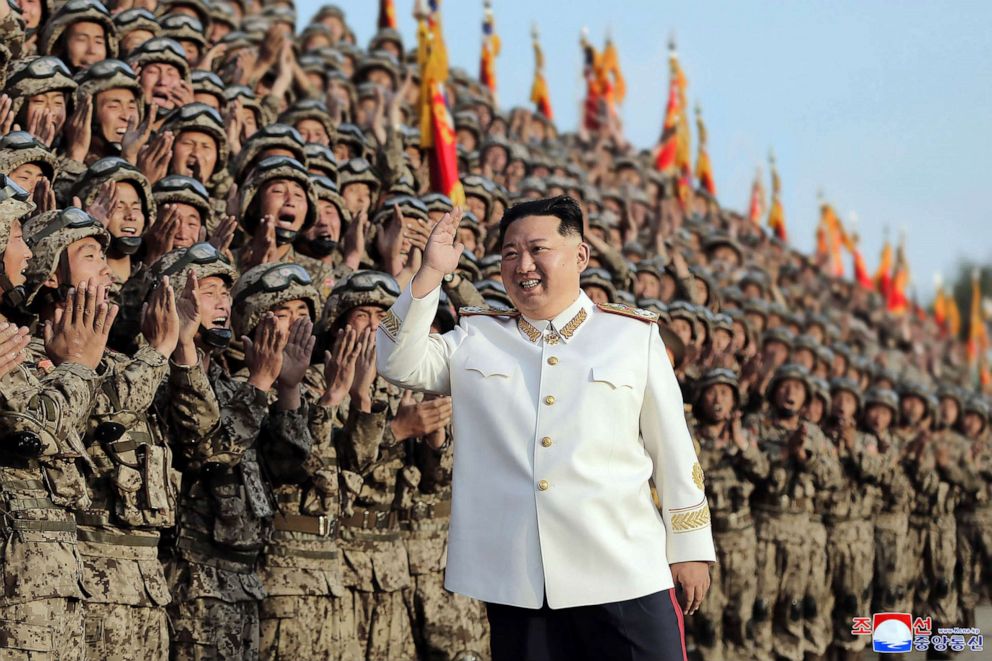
[(565, 324)]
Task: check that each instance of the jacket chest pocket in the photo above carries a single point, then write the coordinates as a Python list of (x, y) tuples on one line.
[(493, 366)]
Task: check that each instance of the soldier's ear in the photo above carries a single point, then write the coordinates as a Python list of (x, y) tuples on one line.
[(51, 282)]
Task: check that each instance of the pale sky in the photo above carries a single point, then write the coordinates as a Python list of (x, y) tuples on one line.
[(886, 107)]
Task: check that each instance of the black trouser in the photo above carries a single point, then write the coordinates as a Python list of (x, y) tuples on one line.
[(648, 628)]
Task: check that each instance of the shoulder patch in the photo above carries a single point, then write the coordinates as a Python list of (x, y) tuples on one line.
[(478, 311), (628, 311)]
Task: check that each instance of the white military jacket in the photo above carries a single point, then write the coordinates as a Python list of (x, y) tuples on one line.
[(558, 430)]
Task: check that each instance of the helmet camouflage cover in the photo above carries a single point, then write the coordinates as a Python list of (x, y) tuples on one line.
[(15, 202), (272, 169), (205, 261), (117, 170), (253, 297), (37, 75), (48, 243), (360, 288), (78, 11)]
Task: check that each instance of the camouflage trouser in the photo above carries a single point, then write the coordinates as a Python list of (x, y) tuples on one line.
[(215, 630), (448, 627), (893, 591), (118, 632), (783, 576), (851, 548), (974, 558), (304, 628), (42, 630), (384, 626), (719, 628), (818, 602), (933, 540)]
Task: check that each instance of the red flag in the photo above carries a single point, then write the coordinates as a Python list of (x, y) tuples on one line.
[(940, 306), (387, 14), (490, 49), (756, 207), (776, 215), (860, 270), (883, 276), (539, 92), (665, 161), (897, 302), (978, 341), (704, 170), (437, 126)]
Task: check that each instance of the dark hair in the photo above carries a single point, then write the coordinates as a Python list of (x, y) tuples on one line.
[(562, 207)]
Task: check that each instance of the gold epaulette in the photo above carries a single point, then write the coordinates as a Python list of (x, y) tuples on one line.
[(478, 311), (628, 311)]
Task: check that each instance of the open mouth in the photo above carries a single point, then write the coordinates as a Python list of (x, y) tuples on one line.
[(130, 231), (219, 322), (529, 284), (287, 217)]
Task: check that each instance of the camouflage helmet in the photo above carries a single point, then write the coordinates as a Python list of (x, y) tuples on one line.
[(48, 234), (842, 383), (438, 202), (321, 158), (15, 203), (718, 375), (682, 310), (951, 391), (177, 188), (207, 82), (778, 334), (468, 266), (313, 109), (109, 75), (38, 75), (593, 277), (490, 265), (909, 388), (327, 191), (266, 286), (359, 288), (357, 171), (203, 118), (78, 11), (161, 50), (480, 187), (202, 8), (882, 397), (351, 135), (790, 371), (976, 404), (221, 12), (247, 99), (494, 292), (470, 222), (271, 169), (136, 19), (280, 14), (378, 59), (116, 169), (200, 258), (410, 207), (270, 136), (19, 148), (182, 27), (384, 35)]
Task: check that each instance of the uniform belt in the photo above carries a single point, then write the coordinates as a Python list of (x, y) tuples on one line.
[(740, 520), (421, 511), (311, 554), (370, 519), (41, 526), (18, 504), (213, 551), (92, 518), (313, 525), (26, 485), (99, 537)]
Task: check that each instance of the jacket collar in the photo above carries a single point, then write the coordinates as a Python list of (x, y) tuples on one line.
[(560, 329)]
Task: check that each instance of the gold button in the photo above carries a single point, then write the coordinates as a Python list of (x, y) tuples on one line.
[(549, 400), (546, 441), (543, 485), (553, 360)]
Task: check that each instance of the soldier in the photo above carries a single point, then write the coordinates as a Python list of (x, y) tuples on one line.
[(39, 478), (848, 513), (130, 479), (377, 427), (81, 34), (227, 503), (27, 161), (40, 88), (732, 464), (892, 590), (801, 464), (974, 513), (164, 74)]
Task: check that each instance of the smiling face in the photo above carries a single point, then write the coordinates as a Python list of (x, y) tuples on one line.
[(194, 154), (286, 200), (114, 108), (128, 217), (215, 302), (16, 255), (87, 261), (189, 224), (540, 267), (53, 102)]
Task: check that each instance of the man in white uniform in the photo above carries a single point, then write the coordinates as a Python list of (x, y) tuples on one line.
[(564, 413)]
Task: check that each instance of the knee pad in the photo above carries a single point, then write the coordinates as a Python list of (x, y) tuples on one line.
[(942, 587), (760, 611), (795, 609), (809, 607), (849, 603)]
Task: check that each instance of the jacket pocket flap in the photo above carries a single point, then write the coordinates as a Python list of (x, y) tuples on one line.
[(490, 363), (615, 376)]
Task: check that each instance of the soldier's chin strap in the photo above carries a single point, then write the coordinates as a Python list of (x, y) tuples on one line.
[(14, 296)]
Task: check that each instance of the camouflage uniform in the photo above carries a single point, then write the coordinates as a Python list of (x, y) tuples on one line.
[(40, 615), (720, 628), (782, 509), (893, 574), (376, 564), (131, 483), (974, 516), (850, 548)]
